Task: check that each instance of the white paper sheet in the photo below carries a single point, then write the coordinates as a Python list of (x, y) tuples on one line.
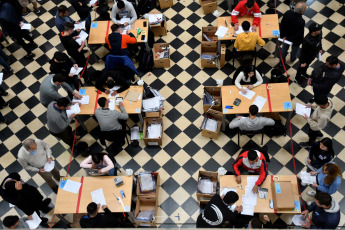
[(123, 20), (98, 197), (26, 26), (111, 104), (226, 190), (302, 110), (135, 134), (286, 41), (1, 77), (206, 186), (85, 100), (123, 31), (93, 2), (79, 26), (35, 222), (259, 102), (320, 57), (75, 71), (72, 186), (155, 17), (298, 220), (247, 210), (307, 178), (154, 131), (251, 180), (249, 94), (221, 31), (49, 166), (240, 30), (250, 198), (82, 37), (74, 109), (11, 205)]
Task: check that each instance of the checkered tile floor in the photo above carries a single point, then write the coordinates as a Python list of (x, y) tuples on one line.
[(184, 150)]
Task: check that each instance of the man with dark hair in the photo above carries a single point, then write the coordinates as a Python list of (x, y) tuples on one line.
[(50, 86), (14, 222), (251, 162), (83, 9), (62, 17), (247, 41), (111, 78), (123, 9), (251, 123), (326, 212), (93, 219), (217, 211), (319, 119), (246, 7), (118, 42)]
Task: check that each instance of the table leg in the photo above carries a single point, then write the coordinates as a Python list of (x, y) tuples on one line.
[(223, 124), (218, 48), (141, 119), (81, 122), (63, 219), (288, 122)]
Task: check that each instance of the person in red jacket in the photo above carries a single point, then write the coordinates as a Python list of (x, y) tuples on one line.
[(254, 162), (246, 7), (118, 43)]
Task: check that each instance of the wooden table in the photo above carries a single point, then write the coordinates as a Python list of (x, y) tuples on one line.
[(278, 94), (262, 204)]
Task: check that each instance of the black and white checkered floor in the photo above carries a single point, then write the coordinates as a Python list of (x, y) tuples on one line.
[(184, 150)]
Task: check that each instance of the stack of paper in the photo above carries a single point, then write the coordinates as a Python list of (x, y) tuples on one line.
[(84, 100), (35, 222), (75, 71), (154, 131), (259, 102), (307, 178), (26, 26), (135, 134), (74, 109), (247, 209), (249, 94), (251, 180), (146, 182), (302, 110), (221, 31), (49, 166), (98, 197), (210, 124), (72, 186), (152, 104), (154, 18), (205, 186), (111, 104), (82, 37), (298, 220), (79, 26)]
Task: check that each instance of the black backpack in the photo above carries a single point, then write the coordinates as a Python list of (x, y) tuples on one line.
[(278, 129), (145, 6), (145, 61)]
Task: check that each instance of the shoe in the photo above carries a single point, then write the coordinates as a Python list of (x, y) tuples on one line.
[(311, 100), (319, 135), (33, 45), (46, 202), (4, 121), (4, 94), (5, 105), (29, 56), (37, 11), (305, 145), (44, 220), (311, 193), (5, 71), (24, 14)]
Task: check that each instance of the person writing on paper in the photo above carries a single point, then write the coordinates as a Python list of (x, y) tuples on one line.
[(249, 76), (33, 156), (123, 9), (118, 43), (318, 120), (99, 163), (326, 212), (251, 123), (251, 162), (61, 63), (217, 211), (115, 77), (321, 153), (14, 222), (247, 41), (93, 219), (249, 8)]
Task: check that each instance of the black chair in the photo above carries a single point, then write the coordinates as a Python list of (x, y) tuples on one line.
[(250, 134), (241, 56)]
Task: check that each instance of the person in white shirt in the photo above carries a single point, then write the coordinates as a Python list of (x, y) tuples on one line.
[(249, 76), (99, 163), (123, 9)]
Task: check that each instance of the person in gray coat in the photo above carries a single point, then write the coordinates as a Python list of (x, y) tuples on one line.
[(50, 86), (251, 123)]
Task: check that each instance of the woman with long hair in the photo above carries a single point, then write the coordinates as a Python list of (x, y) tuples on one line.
[(321, 153), (99, 163), (249, 76)]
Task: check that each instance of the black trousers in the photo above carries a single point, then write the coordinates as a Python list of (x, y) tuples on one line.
[(312, 136), (66, 135), (302, 71), (19, 38)]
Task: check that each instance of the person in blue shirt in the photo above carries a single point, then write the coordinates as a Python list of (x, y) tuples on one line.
[(321, 153), (61, 17)]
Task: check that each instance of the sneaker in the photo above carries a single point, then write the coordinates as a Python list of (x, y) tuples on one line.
[(5, 105), (319, 135), (4, 94), (24, 14), (37, 11), (305, 145), (311, 193), (29, 56)]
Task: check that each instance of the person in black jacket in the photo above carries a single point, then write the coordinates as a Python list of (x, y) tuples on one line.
[(93, 219), (292, 29), (321, 153), (116, 76), (256, 223), (311, 46), (217, 211), (83, 9)]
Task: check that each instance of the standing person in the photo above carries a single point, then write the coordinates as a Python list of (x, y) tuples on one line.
[(311, 47), (321, 153), (62, 17), (123, 9), (25, 4), (319, 119), (93, 219), (249, 8), (118, 43), (33, 156), (99, 163), (292, 29), (83, 9)]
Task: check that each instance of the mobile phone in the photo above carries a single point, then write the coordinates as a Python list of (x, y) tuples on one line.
[(118, 100), (237, 102), (145, 23), (142, 37)]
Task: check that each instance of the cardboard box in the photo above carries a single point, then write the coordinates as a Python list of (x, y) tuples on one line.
[(163, 4), (209, 49), (204, 198), (139, 193), (145, 204), (209, 32), (154, 114), (160, 62), (219, 117), (152, 141), (282, 195), (222, 55), (215, 91), (160, 29), (209, 6)]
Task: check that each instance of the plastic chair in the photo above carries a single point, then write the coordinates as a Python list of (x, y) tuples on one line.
[(250, 133), (113, 61)]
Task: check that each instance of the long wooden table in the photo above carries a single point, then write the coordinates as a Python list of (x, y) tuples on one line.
[(262, 204), (275, 93)]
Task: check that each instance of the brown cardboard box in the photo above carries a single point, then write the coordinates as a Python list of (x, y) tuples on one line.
[(283, 201), (222, 55), (166, 3), (208, 49), (215, 91), (139, 193), (152, 141), (204, 198), (209, 32), (160, 30), (209, 6), (160, 62), (154, 114), (145, 204), (219, 117)]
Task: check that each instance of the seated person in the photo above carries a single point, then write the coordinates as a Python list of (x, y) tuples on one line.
[(251, 162), (217, 211), (123, 9), (255, 223), (99, 163), (112, 78), (251, 123), (243, 8), (93, 219), (14, 222), (247, 40), (249, 76), (321, 153), (118, 43)]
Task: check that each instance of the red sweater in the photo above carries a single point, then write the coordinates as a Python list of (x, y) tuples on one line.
[(259, 166), (241, 10)]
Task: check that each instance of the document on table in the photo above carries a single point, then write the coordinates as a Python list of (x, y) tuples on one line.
[(320, 57), (247, 210), (85, 100), (135, 135), (26, 26), (251, 180), (259, 102), (49, 166), (240, 30), (249, 94), (82, 37), (302, 110), (221, 31), (250, 197), (93, 2), (75, 71), (74, 109), (112, 104), (35, 222), (123, 20), (224, 191), (72, 186), (307, 178), (152, 103), (79, 26), (1, 77), (98, 197)]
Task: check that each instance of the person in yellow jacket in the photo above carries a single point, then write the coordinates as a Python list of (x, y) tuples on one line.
[(247, 40)]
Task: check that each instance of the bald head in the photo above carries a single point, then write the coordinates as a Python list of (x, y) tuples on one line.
[(300, 7)]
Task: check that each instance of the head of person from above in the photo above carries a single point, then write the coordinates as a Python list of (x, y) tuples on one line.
[(69, 27), (230, 198), (246, 26), (323, 200), (30, 146), (326, 145), (92, 209), (332, 171), (252, 156), (300, 7), (110, 82), (250, 4), (63, 103), (121, 5), (253, 111), (97, 158), (321, 101), (332, 62), (59, 79), (103, 102), (63, 11), (60, 57), (11, 222), (315, 29), (115, 28)]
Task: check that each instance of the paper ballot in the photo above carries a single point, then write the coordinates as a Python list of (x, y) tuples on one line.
[(49, 166), (250, 198), (307, 178), (221, 31), (112, 90), (259, 102), (98, 197), (251, 180), (247, 209), (320, 57), (36, 220), (240, 30), (75, 71), (286, 41), (249, 94), (72, 186), (112, 104), (1, 77), (302, 110), (74, 109), (82, 37), (79, 26), (26, 26), (84, 100)]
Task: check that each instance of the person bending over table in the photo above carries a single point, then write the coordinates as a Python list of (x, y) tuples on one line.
[(321, 153), (243, 8), (100, 164), (249, 76), (112, 78), (93, 219), (118, 43), (251, 162), (123, 9), (247, 40)]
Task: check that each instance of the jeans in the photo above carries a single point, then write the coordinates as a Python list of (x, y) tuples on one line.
[(4, 59), (293, 54)]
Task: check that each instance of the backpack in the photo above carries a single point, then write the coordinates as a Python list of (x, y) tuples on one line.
[(145, 61), (278, 129), (146, 6), (277, 76)]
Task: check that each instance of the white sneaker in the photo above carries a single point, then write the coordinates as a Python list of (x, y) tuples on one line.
[(311, 193)]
